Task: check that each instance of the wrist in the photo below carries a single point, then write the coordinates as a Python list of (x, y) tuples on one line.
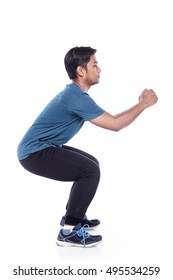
[(143, 105)]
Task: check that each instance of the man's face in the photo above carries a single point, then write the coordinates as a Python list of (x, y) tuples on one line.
[(92, 73)]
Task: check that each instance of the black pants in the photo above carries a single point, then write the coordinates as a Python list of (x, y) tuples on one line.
[(68, 164)]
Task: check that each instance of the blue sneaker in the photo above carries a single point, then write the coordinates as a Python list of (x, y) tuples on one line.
[(78, 237), (92, 224)]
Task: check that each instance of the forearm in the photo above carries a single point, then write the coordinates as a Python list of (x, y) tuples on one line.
[(120, 120), (125, 118)]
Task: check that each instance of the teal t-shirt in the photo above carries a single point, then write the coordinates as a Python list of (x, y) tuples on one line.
[(60, 120)]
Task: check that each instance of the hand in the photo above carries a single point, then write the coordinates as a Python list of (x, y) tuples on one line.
[(148, 97)]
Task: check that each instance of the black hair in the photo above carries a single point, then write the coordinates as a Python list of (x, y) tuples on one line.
[(77, 56)]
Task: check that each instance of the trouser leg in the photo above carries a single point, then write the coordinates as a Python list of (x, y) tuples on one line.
[(83, 154), (68, 164)]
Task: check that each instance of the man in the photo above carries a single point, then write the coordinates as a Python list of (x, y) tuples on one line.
[(42, 150)]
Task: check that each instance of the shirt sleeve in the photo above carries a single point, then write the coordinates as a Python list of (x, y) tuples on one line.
[(86, 108)]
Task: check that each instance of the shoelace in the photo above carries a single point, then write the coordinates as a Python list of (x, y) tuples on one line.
[(82, 232)]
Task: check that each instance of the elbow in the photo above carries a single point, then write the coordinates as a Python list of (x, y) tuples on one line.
[(117, 129), (120, 127)]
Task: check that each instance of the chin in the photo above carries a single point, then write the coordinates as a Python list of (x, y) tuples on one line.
[(94, 83)]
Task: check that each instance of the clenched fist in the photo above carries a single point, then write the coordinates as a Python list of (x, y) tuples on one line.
[(148, 97)]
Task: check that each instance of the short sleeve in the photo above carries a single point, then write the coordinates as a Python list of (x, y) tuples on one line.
[(85, 107)]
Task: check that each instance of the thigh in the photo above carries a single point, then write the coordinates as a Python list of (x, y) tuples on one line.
[(62, 164), (87, 155)]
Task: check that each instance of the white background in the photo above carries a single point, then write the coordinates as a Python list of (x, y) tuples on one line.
[(134, 200)]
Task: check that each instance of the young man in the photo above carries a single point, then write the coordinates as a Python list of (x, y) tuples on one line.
[(42, 150)]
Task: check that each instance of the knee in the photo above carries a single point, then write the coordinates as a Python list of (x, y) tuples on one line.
[(96, 161), (95, 171), (91, 171)]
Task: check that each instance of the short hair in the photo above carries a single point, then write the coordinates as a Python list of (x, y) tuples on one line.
[(77, 56)]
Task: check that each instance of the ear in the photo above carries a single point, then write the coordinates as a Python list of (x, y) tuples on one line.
[(80, 71)]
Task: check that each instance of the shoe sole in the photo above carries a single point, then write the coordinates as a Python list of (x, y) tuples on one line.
[(68, 244)]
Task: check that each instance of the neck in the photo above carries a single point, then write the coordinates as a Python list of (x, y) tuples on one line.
[(83, 86)]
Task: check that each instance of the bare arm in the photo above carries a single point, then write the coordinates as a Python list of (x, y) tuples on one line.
[(123, 119)]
